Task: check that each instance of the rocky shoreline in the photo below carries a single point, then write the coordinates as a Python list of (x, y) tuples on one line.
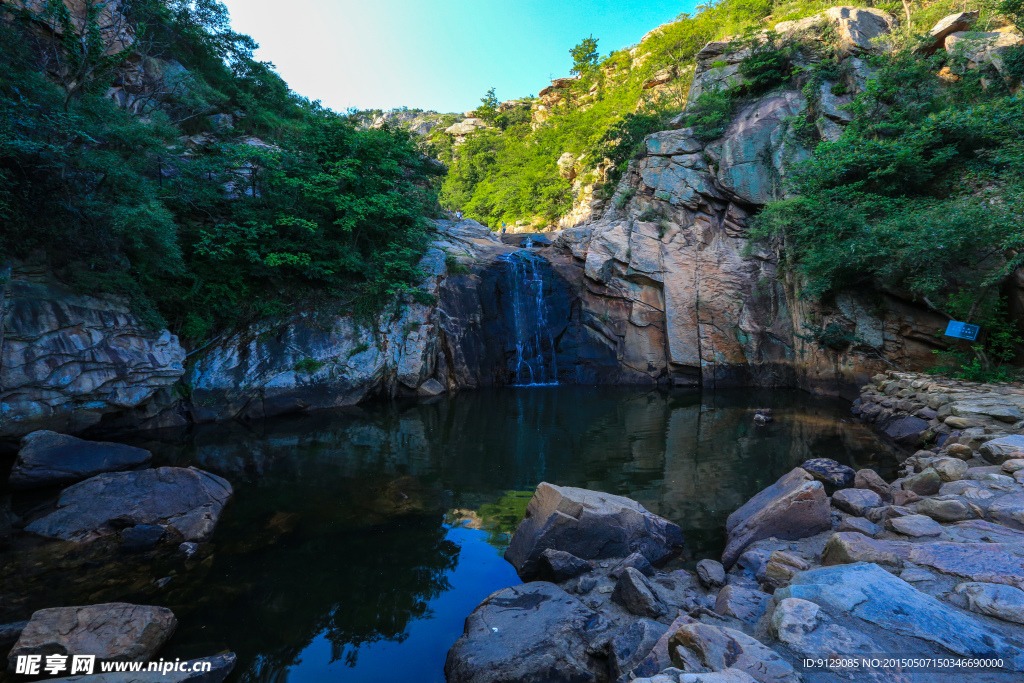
[(113, 505), (825, 565)]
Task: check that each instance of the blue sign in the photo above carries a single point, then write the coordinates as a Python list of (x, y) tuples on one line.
[(962, 330)]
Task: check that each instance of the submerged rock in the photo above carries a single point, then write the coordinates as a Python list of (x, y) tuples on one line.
[(113, 631), (590, 525), (49, 459), (187, 500), (793, 507), (526, 634)]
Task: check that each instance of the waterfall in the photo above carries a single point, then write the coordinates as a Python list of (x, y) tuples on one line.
[(535, 362)]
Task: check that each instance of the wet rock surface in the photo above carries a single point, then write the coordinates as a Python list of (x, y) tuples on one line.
[(532, 632), (793, 507), (113, 631), (591, 526), (186, 500), (49, 459)]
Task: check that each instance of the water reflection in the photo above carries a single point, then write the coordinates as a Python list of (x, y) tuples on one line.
[(358, 542)]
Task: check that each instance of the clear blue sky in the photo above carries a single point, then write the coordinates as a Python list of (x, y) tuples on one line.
[(435, 54)]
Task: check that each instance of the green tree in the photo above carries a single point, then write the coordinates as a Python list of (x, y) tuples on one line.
[(584, 55), (488, 109)]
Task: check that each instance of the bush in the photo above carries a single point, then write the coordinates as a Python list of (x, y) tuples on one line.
[(768, 66), (711, 113)]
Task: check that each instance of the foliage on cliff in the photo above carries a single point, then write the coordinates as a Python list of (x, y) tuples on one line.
[(920, 196), (512, 174), (201, 228)]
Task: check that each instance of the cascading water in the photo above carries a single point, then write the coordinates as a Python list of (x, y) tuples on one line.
[(535, 362)]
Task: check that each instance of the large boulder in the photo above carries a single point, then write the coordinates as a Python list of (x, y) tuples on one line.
[(590, 525), (860, 30), (49, 459), (830, 472), (998, 451), (961, 21), (192, 671), (527, 634), (870, 593), (906, 431), (794, 507), (636, 594), (70, 359), (187, 500), (112, 631), (702, 647)]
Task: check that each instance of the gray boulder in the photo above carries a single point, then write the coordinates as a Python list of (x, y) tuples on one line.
[(856, 501), (870, 593), (830, 472), (1000, 562), (559, 566), (916, 526), (635, 593), (527, 634), (701, 647), (711, 574), (50, 459), (188, 500), (632, 645), (112, 631), (636, 561), (871, 480), (925, 483), (906, 431), (998, 451), (794, 507), (994, 600), (590, 525), (219, 668), (745, 604)]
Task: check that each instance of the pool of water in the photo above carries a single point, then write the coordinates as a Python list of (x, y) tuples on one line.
[(357, 542)]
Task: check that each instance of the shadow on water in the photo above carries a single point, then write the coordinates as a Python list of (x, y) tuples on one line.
[(357, 542)]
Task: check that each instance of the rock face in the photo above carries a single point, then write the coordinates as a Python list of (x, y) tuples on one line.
[(526, 634), (591, 526), (310, 362), (49, 459), (68, 360), (671, 286), (189, 501), (113, 631), (793, 507)]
